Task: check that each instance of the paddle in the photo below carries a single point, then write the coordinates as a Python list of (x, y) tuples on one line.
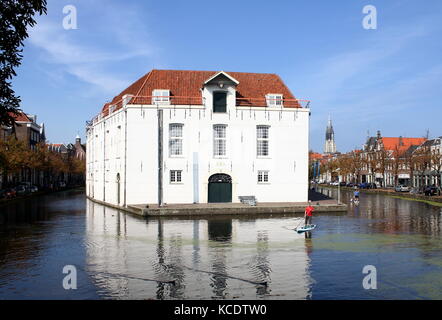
[(298, 225)]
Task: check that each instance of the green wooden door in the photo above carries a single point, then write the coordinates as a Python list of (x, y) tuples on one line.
[(220, 188)]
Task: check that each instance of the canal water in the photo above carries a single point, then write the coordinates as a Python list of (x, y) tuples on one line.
[(120, 256)]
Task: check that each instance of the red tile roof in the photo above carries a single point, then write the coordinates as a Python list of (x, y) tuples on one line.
[(186, 83), (401, 144), (21, 116), (315, 156)]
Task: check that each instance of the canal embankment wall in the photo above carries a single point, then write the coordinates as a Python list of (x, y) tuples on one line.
[(222, 209), (37, 194), (391, 193)]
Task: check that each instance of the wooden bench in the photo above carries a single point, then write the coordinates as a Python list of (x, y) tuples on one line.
[(250, 200)]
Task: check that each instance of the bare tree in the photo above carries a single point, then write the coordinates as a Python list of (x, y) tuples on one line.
[(356, 164), (422, 162), (372, 164), (436, 163), (397, 162)]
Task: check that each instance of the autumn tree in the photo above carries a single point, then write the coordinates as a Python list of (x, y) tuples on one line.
[(15, 156), (332, 167), (344, 165)]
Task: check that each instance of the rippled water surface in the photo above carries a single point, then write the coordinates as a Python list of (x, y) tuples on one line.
[(119, 256)]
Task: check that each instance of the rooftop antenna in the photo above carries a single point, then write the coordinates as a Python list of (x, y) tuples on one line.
[(428, 134)]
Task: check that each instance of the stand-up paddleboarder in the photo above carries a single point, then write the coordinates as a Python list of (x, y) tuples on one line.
[(309, 213), (356, 196)]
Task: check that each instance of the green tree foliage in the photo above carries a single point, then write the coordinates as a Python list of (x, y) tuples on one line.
[(15, 17)]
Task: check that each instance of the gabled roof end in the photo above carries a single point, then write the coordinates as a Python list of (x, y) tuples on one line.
[(224, 74)]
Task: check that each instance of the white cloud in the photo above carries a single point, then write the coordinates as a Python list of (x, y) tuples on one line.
[(98, 50), (336, 73)]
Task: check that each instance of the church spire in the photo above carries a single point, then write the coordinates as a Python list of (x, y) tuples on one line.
[(330, 146)]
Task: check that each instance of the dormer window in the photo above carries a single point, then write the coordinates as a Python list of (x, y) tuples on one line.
[(219, 101), (160, 96), (274, 100)]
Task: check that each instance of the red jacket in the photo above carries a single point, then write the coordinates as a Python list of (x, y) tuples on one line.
[(309, 210)]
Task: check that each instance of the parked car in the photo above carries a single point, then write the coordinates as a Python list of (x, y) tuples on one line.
[(402, 188), (33, 189), (372, 186), (343, 184), (350, 184), (363, 185), (430, 190), (10, 193), (21, 190), (2, 193), (62, 184)]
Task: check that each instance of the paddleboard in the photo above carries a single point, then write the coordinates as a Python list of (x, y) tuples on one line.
[(307, 228)]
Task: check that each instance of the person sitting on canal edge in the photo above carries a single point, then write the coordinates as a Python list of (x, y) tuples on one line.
[(309, 213)]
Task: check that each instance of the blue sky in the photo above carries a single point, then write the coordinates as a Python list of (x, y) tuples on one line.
[(387, 79)]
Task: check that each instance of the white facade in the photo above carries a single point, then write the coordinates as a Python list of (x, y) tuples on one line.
[(123, 152)]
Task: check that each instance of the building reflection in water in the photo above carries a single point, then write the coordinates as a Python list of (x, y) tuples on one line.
[(126, 257), (207, 258), (392, 215), (160, 254), (220, 230), (196, 245), (220, 236), (262, 262)]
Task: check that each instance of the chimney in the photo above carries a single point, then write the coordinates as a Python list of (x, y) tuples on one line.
[(126, 99), (32, 117)]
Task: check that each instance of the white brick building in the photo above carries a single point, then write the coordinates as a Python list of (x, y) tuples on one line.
[(198, 137)]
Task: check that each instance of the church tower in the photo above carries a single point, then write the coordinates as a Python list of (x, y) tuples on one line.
[(330, 146)]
